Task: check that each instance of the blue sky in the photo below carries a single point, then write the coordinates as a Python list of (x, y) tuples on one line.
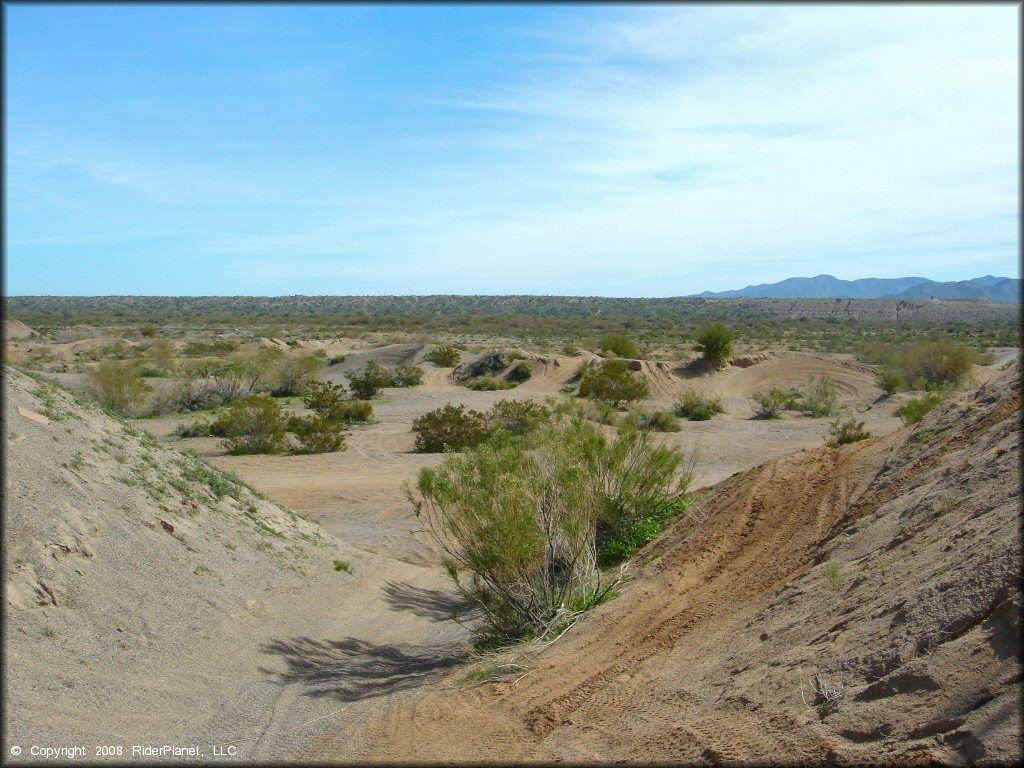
[(653, 150)]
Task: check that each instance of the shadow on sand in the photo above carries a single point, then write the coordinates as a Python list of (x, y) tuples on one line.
[(351, 669), (433, 604)]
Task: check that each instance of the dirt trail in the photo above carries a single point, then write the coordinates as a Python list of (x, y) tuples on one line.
[(866, 569)]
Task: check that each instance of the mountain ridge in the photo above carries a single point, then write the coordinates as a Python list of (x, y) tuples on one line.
[(1004, 290)]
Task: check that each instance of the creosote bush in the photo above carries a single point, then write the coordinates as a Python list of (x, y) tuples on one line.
[(695, 407), (407, 376), (617, 345), (522, 520), (917, 408), (771, 403), (488, 384), (844, 432), (714, 341), (890, 381), (517, 416), (318, 434), (253, 424), (819, 399), (452, 427), (612, 382), (368, 383), (654, 421), (520, 372), (443, 356), (118, 387)]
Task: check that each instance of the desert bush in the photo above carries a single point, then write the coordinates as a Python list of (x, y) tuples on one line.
[(407, 376), (162, 355), (848, 431), (200, 429), (524, 517), (613, 383), (618, 345), (148, 331), (330, 403), (118, 387), (520, 372), (714, 341), (337, 359), (918, 407), (890, 380), (450, 428), (569, 348), (487, 364), (368, 383), (253, 424), (770, 404), (819, 399), (517, 416), (654, 421), (209, 348), (194, 395), (253, 368), (293, 372), (936, 362), (318, 434), (488, 384), (695, 407), (443, 356)]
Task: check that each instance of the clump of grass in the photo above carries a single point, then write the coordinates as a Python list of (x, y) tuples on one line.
[(919, 407), (844, 432), (695, 407), (834, 573), (342, 565), (654, 421)]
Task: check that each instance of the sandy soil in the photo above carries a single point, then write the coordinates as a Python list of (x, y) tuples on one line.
[(851, 605), (273, 660)]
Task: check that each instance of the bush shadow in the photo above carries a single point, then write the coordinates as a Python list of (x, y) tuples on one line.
[(433, 604)]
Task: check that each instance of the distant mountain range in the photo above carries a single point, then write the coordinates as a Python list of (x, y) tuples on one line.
[(1005, 290)]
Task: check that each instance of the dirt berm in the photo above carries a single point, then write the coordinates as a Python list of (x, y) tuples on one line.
[(859, 604)]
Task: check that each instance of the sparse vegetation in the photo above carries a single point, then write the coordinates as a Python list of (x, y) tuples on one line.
[(253, 424), (118, 387), (770, 403), (343, 566), (917, 408), (407, 376), (617, 345), (369, 382), (695, 407), (819, 399), (848, 431), (452, 428), (525, 518), (612, 382), (890, 380), (443, 356), (520, 372), (714, 341), (654, 421)]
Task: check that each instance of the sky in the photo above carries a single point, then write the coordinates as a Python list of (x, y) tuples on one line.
[(589, 150)]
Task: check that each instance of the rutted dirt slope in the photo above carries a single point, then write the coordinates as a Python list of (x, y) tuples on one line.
[(150, 599), (885, 575)]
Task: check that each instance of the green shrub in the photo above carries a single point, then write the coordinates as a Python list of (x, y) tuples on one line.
[(199, 429), (848, 431), (714, 341), (407, 376), (318, 434), (450, 428), (486, 365), (655, 421), (368, 383), (819, 399), (148, 331), (695, 407), (890, 380), (337, 359), (770, 404), (612, 382), (488, 384), (637, 532), (118, 387), (444, 356), (569, 348), (918, 407), (618, 345), (253, 424), (525, 518), (517, 416), (293, 372), (936, 362), (520, 372), (329, 402), (209, 348)]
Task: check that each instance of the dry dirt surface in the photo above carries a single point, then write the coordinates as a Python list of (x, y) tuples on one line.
[(859, 604), (152, 600)]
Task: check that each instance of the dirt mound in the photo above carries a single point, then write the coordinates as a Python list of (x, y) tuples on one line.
[(852, 604), (137, 579), (15, 329)]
